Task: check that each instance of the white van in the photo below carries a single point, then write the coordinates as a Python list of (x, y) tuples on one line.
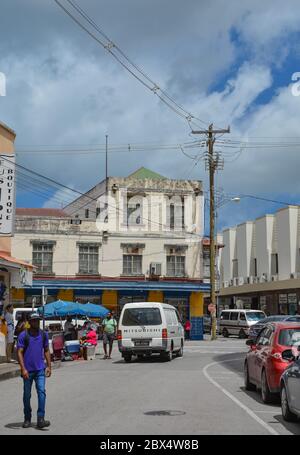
[(18, 313), (238, 322), (147, 328)]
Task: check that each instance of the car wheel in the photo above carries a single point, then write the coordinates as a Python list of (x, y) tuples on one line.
[(242, 334), (266, 395), (248, 384), (127, 358), (167, 356), (285, 410), (225, 333), (180, 352)]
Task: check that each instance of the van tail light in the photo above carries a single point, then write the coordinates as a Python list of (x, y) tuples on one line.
[(164, 334), (119, 335)]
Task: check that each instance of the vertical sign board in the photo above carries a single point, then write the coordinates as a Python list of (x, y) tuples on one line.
[(7, 194)]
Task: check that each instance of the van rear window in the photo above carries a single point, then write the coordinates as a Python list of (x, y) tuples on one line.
[(141, 316)]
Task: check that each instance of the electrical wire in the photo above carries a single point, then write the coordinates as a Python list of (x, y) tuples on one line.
[(89, 197), (127, 64)]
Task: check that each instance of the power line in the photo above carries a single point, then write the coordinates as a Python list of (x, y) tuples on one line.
[(127, 64), (91, 198)]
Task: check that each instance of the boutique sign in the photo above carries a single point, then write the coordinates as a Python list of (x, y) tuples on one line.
[(7, 194)]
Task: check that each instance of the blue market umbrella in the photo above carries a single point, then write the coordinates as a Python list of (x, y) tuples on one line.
[(62, 308), (94, 311)]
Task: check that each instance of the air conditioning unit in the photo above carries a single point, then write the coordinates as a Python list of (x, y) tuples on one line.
[(155, 268), (241, 281), (230, 282), (274, 278), (235, 281), (226, 284), (251, 279), (263, 278)]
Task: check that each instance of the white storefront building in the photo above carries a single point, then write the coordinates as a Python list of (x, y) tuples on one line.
[(260, 263)]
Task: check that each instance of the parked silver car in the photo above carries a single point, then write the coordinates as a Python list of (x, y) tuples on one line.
[(290, 387)]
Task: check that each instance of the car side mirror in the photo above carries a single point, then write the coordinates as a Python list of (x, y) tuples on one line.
[(288, 355), (250, 342)]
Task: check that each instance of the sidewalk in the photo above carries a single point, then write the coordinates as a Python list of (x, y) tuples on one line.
[(12, 370), (9, 370)]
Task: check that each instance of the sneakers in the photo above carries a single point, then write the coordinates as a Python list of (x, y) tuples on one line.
[(26, 424), (42, 423)]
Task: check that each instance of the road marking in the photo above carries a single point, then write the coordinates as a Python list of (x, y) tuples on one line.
[(221, 377), (222, 372), (234, 399)]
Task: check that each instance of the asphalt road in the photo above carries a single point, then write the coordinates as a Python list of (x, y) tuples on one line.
[(200, 393)]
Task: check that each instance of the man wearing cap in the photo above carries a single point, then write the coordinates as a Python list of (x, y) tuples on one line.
[(33, 349)]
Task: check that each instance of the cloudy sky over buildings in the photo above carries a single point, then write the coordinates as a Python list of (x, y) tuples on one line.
[(227, 62)]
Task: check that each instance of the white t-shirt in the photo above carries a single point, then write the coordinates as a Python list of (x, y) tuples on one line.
[(10, 327)]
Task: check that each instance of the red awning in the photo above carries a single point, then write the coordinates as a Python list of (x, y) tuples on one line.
[(7, 257)]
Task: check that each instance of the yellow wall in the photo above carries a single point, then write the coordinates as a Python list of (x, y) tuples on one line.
[(17, 294), (66, 294), (110, 300), (155, 296), (196, 304)]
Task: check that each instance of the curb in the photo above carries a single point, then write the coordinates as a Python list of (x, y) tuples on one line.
[(16, 373)]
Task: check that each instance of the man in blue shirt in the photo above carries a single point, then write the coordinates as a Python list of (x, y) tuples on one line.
[(33, 348)]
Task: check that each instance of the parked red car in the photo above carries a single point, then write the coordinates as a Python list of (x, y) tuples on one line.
[(264, 364)]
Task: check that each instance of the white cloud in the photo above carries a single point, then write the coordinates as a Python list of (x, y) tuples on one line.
[(64, 89)]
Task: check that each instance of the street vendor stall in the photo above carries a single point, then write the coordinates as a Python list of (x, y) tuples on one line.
[(61, 308)]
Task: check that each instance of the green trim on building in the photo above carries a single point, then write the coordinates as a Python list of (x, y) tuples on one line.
[(144, 173)]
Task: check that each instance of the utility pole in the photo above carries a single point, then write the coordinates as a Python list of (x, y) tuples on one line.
[(213, 163), (106, 165)]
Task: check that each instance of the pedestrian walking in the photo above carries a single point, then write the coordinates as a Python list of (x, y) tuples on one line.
[(109, 325), (33, 350), (8, 316), (187, 329)]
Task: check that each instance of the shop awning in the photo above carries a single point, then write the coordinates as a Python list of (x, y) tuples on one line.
[(181, 286), (21, 271)]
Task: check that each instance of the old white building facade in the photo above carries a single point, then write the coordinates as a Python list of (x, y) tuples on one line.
[(127, 239)]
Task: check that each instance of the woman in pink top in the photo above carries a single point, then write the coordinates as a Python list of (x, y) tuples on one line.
[(91, 338)]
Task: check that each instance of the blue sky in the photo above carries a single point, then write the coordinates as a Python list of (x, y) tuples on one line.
[(64, 90)]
